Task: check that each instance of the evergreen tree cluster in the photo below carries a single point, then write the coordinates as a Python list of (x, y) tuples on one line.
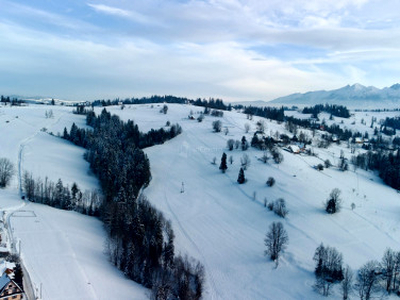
[(272, 113), (108, 129), (392, 122), (387, 163), (12, 101), (141, 241), (212, 103), (61, 196), (335, 110)]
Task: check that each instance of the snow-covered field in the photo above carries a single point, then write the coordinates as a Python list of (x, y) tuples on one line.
[(216, 220)]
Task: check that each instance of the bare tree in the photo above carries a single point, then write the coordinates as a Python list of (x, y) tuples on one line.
[(347, 282), (333, 204), (164, 109), (245, 161), (328, 270), (230, 144), (367, 280), (226, 130), (280, 208), (6, 172), (395, 285), (276, 155), (217, 125), (276, 240), (264, 158), (388, 265), (231, 159), (261, 126), (246, 127)]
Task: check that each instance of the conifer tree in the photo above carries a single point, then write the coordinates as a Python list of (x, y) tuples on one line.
[(241, 178), (223, 166)]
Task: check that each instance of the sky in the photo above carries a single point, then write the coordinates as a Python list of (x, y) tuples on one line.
[(235, 50)]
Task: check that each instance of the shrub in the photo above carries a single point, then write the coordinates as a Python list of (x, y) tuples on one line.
[(271, 181), (280, 208)]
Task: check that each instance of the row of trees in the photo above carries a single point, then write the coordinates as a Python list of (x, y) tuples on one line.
[(141, 241), (370, 279), (61, 196)]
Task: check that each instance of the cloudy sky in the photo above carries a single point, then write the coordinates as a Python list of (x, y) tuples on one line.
[(231, 49)]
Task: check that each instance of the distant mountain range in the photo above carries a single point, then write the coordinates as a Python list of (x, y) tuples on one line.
[(352, 96)]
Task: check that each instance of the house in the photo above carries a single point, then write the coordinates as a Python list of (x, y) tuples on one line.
[(9, 289), (294, 149), (359, 140)]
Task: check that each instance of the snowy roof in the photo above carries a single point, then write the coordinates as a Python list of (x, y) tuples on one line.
[(4, 280), (294, 148), (4, 265), (359, 140)]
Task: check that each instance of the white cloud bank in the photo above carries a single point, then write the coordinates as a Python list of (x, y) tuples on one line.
[(215, 48)]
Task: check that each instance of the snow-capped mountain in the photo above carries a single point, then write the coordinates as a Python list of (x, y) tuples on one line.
[(354, 96)]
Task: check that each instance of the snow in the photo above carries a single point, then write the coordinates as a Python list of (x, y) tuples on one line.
[(216, 220)]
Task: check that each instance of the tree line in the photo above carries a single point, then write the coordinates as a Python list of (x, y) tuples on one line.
[(210, 103), (61, 196)]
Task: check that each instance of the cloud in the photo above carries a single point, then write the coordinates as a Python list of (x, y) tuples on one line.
[(110, 10), (35, 17), (232, 49), (124, 13), (52, 65)]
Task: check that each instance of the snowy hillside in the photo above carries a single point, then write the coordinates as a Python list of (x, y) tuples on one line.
[(354, 96), (219, 222), (216, 220)]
